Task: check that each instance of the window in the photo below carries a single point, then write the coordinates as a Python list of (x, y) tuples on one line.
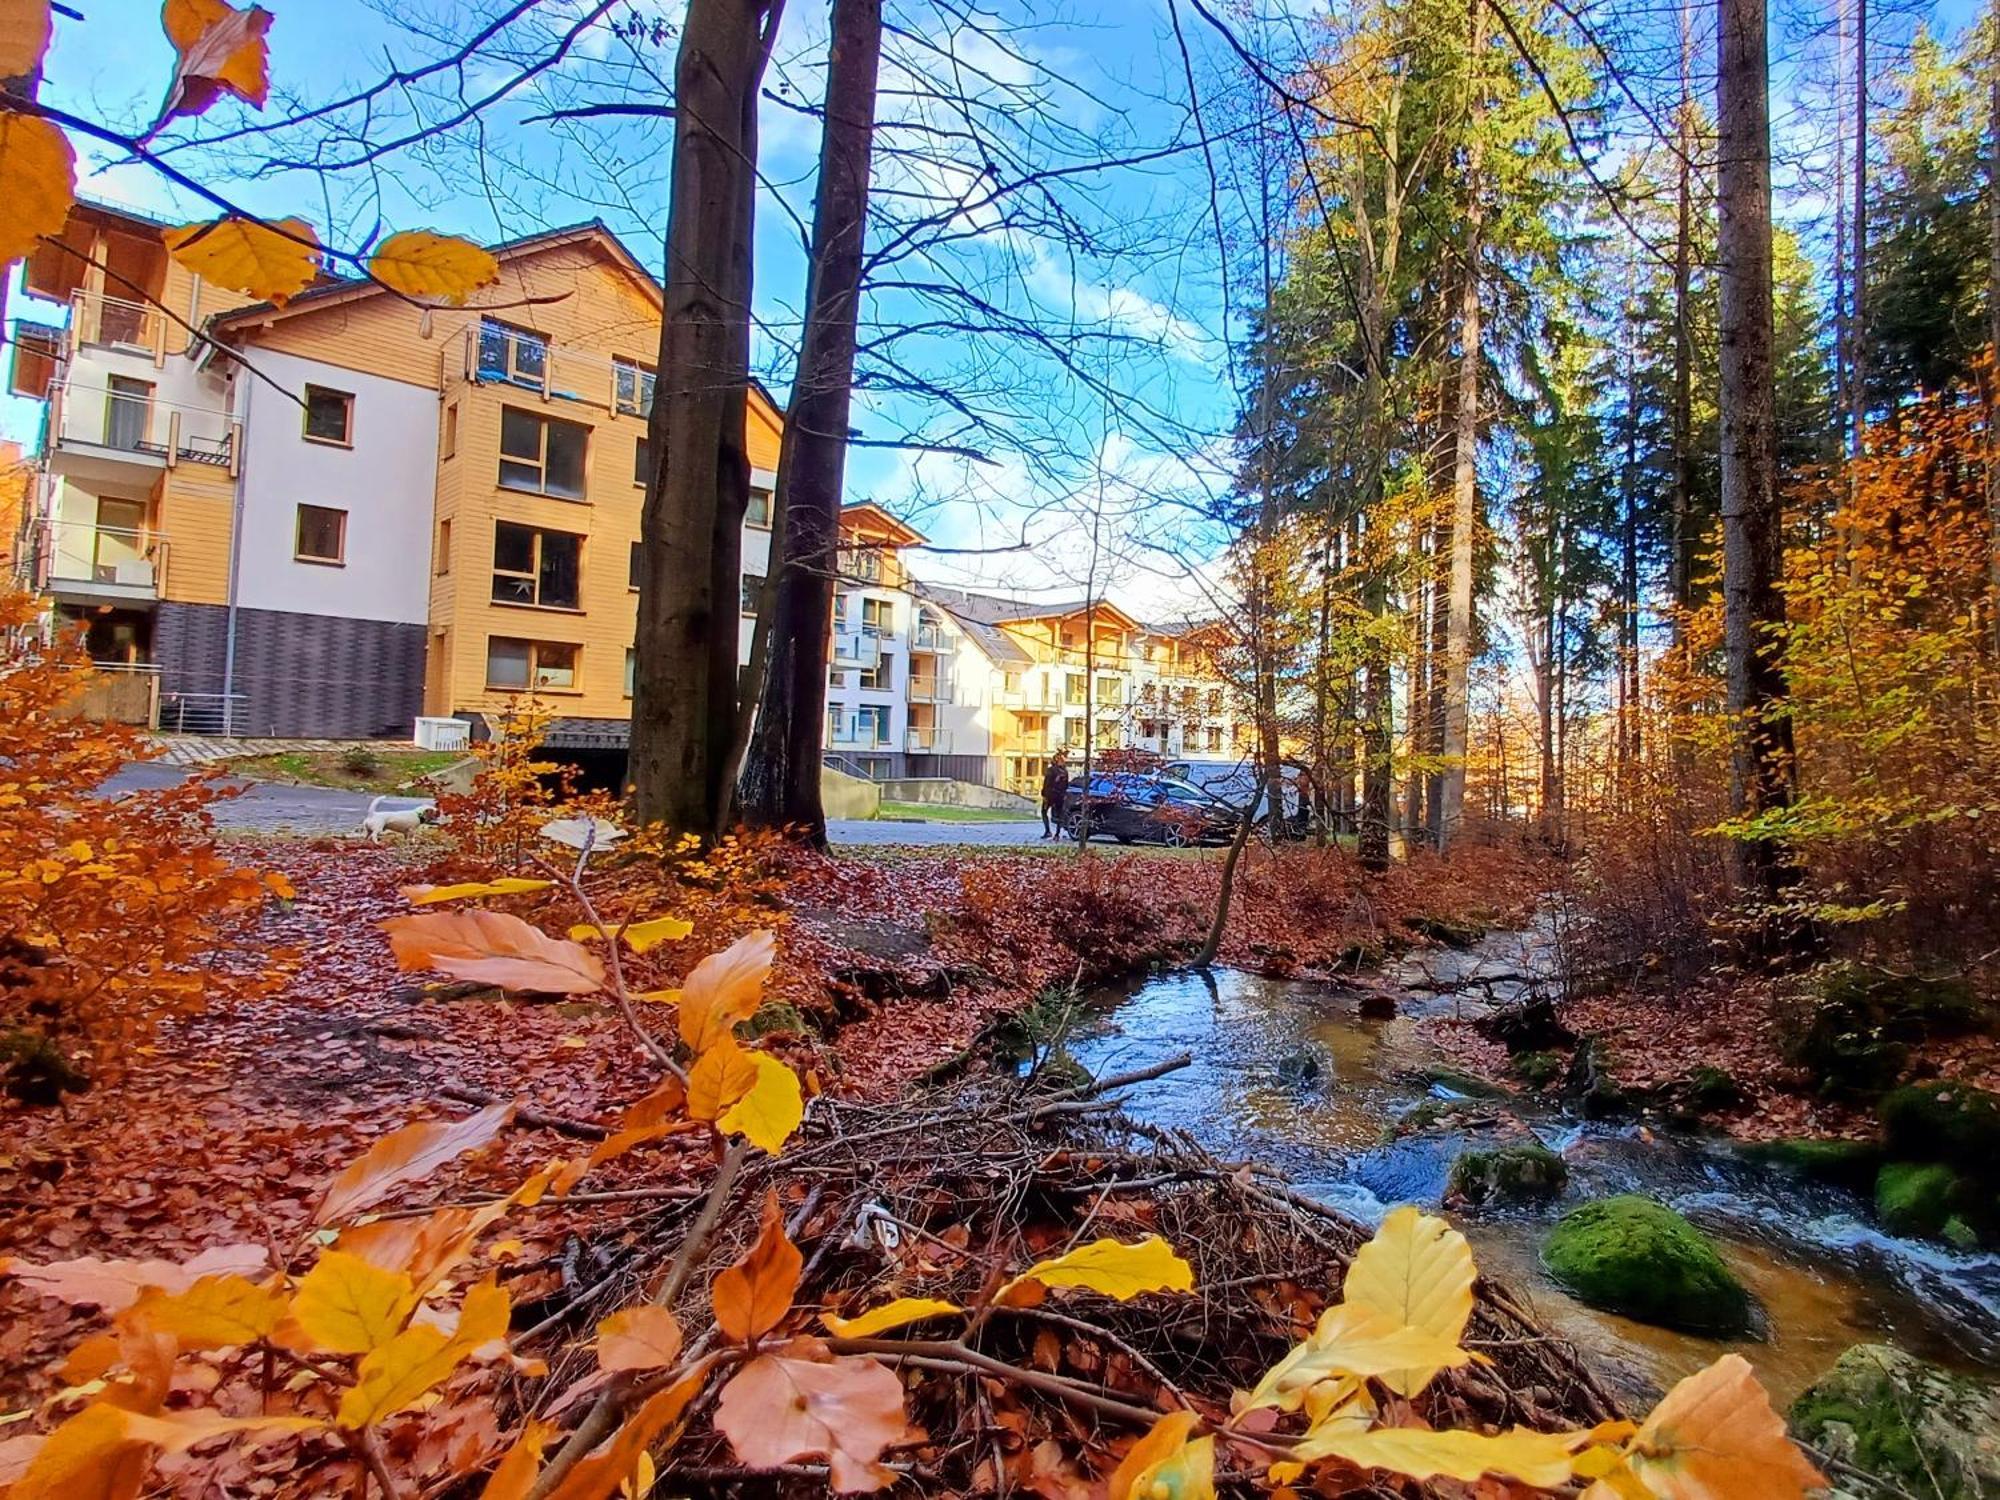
[(635, 387), (1214, 739), (1148, 728), (759, 513), (516, 665), (531, 566), (128, 412), (444, 547), (1073, 689), (875, 617), (840, 611), (753, 593), (882, 676), (1110, 692), (322, 535), (329, 415), (638, 553), (864, 563), (871, 724), (833, 721), (1214, 702), (542, 454), (631, 670), (512, 354), (451, 429), (642, 462), (836, 679)]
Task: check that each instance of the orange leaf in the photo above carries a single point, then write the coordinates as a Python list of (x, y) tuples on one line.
[(491, 947), (408, 1155), (37, 182), (644, 1337), (1715, 1437), (782, 1407), (753, 1296), (597, 1476), (92, 1456), (427, 1248), (222, 50), (24, 36), (725, 988), (516, 1473), (115, 1285)]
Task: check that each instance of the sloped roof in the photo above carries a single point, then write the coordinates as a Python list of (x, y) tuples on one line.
[(980, 615)]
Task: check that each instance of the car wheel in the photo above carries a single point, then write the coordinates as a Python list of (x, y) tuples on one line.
[(1175, 837)]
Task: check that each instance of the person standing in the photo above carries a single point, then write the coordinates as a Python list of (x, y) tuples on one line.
[(1055, 792)]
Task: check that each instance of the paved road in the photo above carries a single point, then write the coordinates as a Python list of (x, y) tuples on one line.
[(278, 807)]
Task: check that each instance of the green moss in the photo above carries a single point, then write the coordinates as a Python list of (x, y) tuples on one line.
[(1864, 1022), (1508, 1173), (1539, 1069), (1631, 1255), (775, 1016), (1925, 1431), (1959, 1235), (1709, 1089), (1916, 1198), (1848, 1163), (1950, 1122)]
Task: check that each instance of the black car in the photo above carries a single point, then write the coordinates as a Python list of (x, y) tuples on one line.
[(1148, 809)]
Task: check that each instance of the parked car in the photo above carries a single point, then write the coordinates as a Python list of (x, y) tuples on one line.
[(1147, 809), (1238, 785)]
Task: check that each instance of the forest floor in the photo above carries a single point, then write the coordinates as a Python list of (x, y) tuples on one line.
[(226, 1125)]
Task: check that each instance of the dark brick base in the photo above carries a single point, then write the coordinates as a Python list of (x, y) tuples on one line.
[(300, 676)]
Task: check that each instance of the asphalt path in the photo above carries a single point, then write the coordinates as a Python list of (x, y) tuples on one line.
[(281, 807)]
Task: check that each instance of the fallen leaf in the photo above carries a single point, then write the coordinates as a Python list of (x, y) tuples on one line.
[(408, 1155), (896, 1314), (1111, 1267), (491, 947), (645, 1337), (511, 885), (785, 1407), (752, 1297), (1715, 1437), (115, 1285)]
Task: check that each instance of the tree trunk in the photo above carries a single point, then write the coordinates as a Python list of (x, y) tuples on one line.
[(1752, 539), (1857, 358), (1628, 563), (780, 784), (1993, 332), (1680, 567), (684, 687)]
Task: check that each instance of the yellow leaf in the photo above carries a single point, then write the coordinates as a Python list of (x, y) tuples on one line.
[(24, 36), (1541, 1459), (1164, 1465), (1115, 1269), (1715, 1437), (221, 50), (770, 1109), (510, 885), (37, 182), (643, 937), (423, 263), (346, 1306), (1352, 1340), (415, 1362), (720, 1076), (90, 1457), (273, 261), (724, 988), (215, 1312), (177, 1431), (889, 1315), (1417, 1272)]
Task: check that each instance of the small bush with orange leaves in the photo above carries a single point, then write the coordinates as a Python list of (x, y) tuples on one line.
[(112, 910)]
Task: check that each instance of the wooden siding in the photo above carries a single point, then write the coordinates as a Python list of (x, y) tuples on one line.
[(196, 511)]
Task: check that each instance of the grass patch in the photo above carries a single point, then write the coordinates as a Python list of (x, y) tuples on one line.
[(941, 812), (381, 770)]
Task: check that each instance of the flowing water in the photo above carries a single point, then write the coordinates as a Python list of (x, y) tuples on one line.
[(1826, 1278)]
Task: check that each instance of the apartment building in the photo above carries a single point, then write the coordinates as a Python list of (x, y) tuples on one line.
[(327, 518)]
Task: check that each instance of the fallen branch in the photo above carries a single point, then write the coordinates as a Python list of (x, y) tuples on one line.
[(525, 1114)]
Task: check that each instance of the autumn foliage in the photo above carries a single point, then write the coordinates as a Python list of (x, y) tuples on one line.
[(113, 913)]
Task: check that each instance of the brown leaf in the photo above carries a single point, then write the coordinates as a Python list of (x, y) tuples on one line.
[(490, 947), (115, 1285), (753, 1296), (783, 1407), (221, 50), (426, 1248), (645, 1337), (408, 1155)]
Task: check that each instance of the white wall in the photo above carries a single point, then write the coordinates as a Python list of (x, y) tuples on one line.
[(386, 482)]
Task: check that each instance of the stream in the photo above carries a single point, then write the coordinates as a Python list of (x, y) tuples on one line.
[(1825, 1276)]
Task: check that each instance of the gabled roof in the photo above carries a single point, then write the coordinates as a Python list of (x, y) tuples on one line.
[(974, 613), (334, 290), (869, 513)]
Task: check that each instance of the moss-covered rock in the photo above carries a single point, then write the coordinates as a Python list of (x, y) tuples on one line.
[(1539, 1069), (1943, 1121), (1915, 1199), (1589, 1085), (1863, 1022), (1709, 1089), (1508, 1174), (1631, 1255), (1453, 932), (1912, 1425), (1848, 1163)]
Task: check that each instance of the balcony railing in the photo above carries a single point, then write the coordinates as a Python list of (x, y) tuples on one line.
[(98, 420), (493, 354), (108, 562), (930, 689), (95, 319), (854, 648), (922, 742), (929, 637)]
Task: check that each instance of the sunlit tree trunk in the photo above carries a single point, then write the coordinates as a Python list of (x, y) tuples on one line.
[(684, 679)]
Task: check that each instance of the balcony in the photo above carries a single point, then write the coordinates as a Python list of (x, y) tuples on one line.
[(856, 648), (83, 563), (922, 742), (98, 321), (121, 434), (930, 689), (932, 637)]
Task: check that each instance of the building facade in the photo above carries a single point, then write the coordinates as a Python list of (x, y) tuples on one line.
[(327, 518)]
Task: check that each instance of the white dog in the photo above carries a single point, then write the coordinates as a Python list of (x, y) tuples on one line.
[(377, 821)]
